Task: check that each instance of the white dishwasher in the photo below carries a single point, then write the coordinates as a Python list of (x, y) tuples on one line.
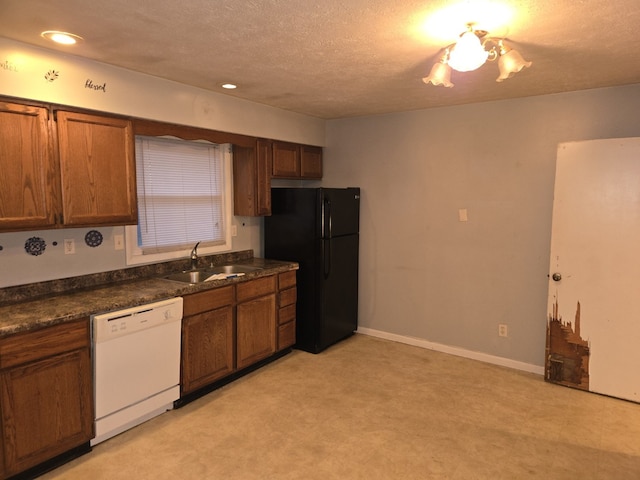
[(136, 365)]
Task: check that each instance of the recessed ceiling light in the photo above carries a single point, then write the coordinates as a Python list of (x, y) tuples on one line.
[(229, 86), (63, 38)]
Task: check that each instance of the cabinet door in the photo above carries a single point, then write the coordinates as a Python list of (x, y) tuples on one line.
[(207, 348), (256, 330), (97, 165), (47, 409), (310, 162), (286, 160), (27, 172), (264, 161), (252, 179)]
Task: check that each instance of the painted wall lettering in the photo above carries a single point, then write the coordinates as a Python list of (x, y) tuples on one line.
[(7, 65), (93, 86)]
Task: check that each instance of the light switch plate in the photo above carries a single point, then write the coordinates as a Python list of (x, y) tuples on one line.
[(69, 246), (118, 241), (462, 215)]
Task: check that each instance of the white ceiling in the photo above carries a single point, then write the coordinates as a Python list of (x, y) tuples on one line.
[(341, 58)]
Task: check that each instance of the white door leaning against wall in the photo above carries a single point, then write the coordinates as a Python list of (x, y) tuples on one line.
[(593, 330)]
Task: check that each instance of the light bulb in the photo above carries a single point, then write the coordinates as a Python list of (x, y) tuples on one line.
[(468, 54)]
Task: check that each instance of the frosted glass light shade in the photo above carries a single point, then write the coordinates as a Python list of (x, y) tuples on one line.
[(511, 63), (440, 75), (468, 54)]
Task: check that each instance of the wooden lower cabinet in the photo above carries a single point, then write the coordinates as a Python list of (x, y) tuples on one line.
[(46, 395), (287, 295), (207, 338), (256, 320), (227, 329)]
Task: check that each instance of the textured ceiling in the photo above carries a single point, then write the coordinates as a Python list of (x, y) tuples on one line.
[(342, 58)]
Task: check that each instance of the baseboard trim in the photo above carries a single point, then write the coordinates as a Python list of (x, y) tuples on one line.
[(460, 352)]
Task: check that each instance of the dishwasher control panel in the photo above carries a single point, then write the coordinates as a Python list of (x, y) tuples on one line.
[(111, 325)]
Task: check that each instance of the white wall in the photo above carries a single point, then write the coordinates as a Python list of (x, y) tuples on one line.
[(23, 73), (425, 274)]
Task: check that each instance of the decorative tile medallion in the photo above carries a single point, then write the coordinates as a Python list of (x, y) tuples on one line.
[(35, 246), (93, 238)]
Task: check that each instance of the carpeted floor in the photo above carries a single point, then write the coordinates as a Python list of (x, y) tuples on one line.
[(374, 409)]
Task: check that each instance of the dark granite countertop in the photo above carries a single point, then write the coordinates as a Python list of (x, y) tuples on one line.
[(24, 314)]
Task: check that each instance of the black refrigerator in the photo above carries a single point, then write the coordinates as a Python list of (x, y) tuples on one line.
[(318, 228)]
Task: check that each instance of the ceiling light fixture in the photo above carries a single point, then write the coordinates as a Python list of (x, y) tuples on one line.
[(63, 38), (472, 51), (229, 86)]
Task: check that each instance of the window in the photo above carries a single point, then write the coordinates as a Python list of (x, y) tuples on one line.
[(184, 197)]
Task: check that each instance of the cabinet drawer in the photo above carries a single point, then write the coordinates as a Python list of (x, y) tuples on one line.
[(286, 335), (208, 300), (288, 296), (287, 279), (256, 288), (29, 346), (286, 314)]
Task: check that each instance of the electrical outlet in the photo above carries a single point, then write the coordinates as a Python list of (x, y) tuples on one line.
[(502, 330), (69, 246), (118, 241), (463, 216)]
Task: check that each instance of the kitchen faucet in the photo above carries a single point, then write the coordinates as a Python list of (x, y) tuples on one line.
[(194, 257)]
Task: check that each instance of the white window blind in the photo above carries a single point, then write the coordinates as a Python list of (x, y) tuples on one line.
[(180, 194)]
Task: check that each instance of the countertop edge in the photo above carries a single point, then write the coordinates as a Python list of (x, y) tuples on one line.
[(44, 312)]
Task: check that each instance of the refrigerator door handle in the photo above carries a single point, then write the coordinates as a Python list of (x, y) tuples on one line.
[(327, 258), (326, 219)]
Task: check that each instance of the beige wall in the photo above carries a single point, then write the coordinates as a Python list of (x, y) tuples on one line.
[(23, 69), (426, 275)]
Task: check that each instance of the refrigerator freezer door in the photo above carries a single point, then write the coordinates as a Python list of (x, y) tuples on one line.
[(339, 211)]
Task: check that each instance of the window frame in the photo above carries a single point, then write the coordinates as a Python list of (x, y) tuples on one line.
[(134, 254)]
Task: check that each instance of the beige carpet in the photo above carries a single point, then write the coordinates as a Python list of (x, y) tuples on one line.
[(373, 409)]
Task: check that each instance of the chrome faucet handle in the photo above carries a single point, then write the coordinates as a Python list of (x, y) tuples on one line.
[(194, 257), (194, 252)]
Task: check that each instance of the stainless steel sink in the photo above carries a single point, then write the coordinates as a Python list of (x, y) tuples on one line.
[(198, 276), (194, 276), (231, 269)]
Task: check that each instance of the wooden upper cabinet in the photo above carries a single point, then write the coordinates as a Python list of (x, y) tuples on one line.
[(286, 160), (252, 179), (97, 169), (310, 162), (27, 168), (291, 160), (83, 176)]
